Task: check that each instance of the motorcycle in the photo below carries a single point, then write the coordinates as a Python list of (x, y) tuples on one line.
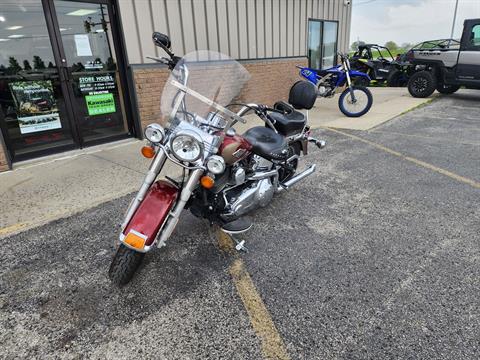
[(355, 100), (225, 175)]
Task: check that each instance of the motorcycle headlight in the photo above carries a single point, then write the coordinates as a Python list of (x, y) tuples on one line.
[(187, 147), (216, 164), (154, 133)]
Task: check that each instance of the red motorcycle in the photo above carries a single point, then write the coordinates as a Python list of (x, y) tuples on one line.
[(225, 175)]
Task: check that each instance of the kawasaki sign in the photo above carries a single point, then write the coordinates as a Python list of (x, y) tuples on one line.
[(100, 104)]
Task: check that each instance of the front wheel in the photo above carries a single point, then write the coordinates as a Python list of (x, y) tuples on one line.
[(124, 264), (359, 104), (397, 78), (422, 84)]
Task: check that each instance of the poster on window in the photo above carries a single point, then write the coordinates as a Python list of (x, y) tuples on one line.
[(36, 106), (98, 92)]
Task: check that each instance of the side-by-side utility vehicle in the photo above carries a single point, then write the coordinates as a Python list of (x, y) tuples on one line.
[(449, 67)]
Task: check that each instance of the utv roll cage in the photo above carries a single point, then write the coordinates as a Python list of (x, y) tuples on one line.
[(437, 44), (368, 48)]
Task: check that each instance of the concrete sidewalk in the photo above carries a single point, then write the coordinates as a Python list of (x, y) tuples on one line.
[(45, 189), (387, 104)]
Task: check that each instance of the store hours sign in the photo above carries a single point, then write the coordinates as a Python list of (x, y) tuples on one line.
[(98, 91)]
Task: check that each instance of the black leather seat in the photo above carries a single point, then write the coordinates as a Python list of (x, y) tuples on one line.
[(267, 143), (288, 123)]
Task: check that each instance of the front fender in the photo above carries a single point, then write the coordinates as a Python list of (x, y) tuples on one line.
[(354, 73), (151, 214)]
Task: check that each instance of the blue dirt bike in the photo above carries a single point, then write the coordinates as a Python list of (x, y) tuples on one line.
[(355, 100)]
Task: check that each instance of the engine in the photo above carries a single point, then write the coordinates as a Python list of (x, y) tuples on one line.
[(250, 188), (325, 86)]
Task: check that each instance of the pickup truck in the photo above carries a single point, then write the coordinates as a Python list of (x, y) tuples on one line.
[(447, 67)]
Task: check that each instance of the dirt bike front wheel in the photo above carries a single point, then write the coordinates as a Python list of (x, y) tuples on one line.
[(124, 265), (359, 104)]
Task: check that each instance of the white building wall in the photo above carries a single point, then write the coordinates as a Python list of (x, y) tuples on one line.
[(243, 29)]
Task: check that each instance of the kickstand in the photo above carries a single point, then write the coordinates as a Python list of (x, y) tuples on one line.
[(240, 244)]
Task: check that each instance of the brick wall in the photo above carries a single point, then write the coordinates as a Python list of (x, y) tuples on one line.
[(270, 81)]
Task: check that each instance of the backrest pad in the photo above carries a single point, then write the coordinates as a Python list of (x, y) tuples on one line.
[(302, 95)]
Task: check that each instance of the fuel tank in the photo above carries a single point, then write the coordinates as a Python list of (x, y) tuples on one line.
[(233, 148)]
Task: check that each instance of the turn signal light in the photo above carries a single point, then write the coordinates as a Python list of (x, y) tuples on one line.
[(148, 152), (207, 182), (135, 240)]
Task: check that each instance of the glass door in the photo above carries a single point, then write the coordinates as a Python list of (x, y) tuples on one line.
[(34, 113), (60, 85), (322, 43), (88, 57), (314, 41), (329, 44)]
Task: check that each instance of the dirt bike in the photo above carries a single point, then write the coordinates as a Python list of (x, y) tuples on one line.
[(355, 100)]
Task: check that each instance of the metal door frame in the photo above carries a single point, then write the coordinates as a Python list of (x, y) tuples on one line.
[(52, 25)]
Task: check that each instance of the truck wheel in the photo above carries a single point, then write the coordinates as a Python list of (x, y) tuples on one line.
[(422, 84), (447, 89)]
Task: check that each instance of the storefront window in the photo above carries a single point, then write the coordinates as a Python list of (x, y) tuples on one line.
[(314, 42), (32, 105), (329, 44), (322, 43), (59, 83), (90, 57)]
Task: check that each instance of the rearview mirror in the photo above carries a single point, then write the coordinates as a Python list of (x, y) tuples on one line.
[(161, 40)]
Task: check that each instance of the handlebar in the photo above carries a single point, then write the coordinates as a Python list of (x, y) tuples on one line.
[(162, 60), (171, 63)]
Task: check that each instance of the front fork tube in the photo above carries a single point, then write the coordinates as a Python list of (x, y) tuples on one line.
[(350, 87), (155, 168), (174, 215)]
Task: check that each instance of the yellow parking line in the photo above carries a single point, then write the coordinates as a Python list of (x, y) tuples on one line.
[(424, 164), (12, 228), (262, 323)]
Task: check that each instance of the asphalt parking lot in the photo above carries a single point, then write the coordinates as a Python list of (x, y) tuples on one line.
[(375, 256)]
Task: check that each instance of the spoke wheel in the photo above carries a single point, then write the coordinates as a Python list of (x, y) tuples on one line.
[(357, 106)]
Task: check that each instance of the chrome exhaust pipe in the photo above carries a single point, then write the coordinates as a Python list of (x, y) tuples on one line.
[(263, 175), (286, 185)]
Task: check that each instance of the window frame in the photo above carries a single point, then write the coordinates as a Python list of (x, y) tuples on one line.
[(322, 22)]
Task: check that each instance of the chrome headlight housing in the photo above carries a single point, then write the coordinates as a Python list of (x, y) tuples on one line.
[(216, 164), (187, 146), (154, 133)]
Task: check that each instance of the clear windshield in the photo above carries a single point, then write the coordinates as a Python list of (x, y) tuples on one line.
[(213, 75)]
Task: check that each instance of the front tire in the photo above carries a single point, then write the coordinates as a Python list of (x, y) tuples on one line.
[(422, 84), (447, 89), (364, 101), (124, 265), (397, 79)]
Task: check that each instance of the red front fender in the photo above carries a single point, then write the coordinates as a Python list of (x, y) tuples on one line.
[(152, 212)]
